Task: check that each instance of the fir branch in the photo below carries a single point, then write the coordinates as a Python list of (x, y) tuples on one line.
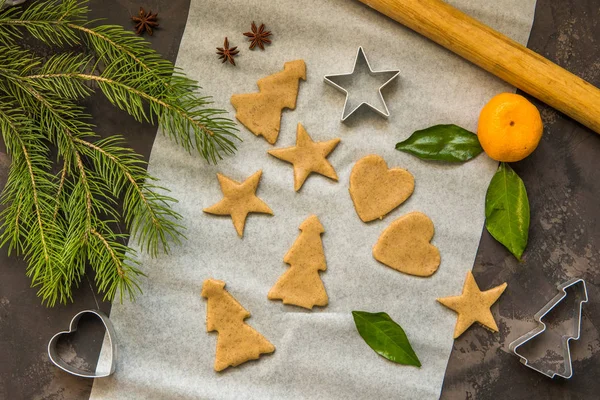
[(111, 252), (62, 222), (114, 268), (65, 63), (27, 222), (147, 213), (36, 202), (88, 193), (15, 144), (46, 21), (61, 184), (54, 113), (113, 43), (132, 58), (212, 135)]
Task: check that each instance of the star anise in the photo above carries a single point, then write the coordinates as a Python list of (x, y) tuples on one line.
[(227, 53), (258, 36), (145, 22)]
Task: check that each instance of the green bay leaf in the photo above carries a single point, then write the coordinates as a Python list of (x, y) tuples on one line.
[(442, 143), (507, 210), (386, 337)]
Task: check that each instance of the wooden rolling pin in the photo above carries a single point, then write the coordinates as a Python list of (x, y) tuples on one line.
[(499, 55)]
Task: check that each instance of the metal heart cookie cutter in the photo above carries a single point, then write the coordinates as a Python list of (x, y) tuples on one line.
[(546, 348), (60, 363)]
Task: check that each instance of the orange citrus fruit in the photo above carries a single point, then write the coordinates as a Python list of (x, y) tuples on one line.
[(510, 127)]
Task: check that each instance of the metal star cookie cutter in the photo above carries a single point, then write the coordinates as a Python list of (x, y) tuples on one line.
[(361, 57), (60, 363), (549, 366)]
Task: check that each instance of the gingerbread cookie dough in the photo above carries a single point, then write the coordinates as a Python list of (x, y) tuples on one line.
[(473, 305), (307, 157), (404, 246), (377, 190), (301, 284), (239, 199), (237, 341), (261, 112)]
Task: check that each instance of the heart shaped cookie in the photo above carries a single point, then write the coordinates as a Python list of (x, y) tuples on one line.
[(57, 360), (404, 246), (377, 190)]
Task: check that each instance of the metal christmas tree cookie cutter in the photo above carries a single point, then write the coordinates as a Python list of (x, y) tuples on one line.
[(54, 355), (361, 57), (547, 366)]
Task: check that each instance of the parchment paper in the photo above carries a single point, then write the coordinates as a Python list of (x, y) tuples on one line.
[(164, 350)]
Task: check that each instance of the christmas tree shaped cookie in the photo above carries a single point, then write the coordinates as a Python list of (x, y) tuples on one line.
[(301, 284), (237, 341), (261, 112)]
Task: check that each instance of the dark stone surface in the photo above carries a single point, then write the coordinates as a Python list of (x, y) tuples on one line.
[(562, 182), (25, 325), (564, 241)]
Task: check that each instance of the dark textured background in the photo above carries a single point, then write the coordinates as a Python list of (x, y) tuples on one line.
[(564, 238), (25, 325)]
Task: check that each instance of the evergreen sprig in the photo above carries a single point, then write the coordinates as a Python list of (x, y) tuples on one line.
[(67, 189)]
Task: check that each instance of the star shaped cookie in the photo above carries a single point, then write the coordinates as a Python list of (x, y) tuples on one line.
[(307, 157), (473, 305), (239, 199)]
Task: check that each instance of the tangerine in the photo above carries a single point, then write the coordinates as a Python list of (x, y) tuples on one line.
[(510, 127)]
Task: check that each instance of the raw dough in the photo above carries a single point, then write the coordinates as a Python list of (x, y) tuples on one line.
[(377, 190), (239, 199), (238, 342), (301, 284), (473, 305), (307, 157), (261, 112), (404, 246)]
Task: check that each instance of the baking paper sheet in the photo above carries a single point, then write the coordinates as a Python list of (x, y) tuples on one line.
[(164, 350)]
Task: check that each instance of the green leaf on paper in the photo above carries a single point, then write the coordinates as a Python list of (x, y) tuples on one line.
[(386, 337), (442, 143), (507, 210)]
